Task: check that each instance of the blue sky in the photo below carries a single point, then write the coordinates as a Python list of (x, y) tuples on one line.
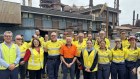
[(127, 7)]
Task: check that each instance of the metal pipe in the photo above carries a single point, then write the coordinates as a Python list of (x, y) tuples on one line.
[(137, 16), (23, 2), (133, 18)]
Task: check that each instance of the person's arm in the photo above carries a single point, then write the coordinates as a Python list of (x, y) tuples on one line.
[(63, 60), (17, 56), (82, 61), (75, 56), (95, 62), (27, 55), (62, 56), (2, 62), (138, 60), (74, 59), (107, 42), (110, 55)]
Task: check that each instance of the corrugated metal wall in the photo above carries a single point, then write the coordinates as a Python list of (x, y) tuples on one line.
[(10, 12), (38, 21), (26, 22), (47, 24), (85, 25), (62, 24)]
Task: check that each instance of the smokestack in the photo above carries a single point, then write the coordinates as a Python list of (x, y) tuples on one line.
[(133, 18), (137, 16), (90, 3), (23, 2), (30, 3), (118, 4)]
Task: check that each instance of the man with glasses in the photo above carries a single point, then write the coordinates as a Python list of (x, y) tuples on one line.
[(124, 40), (53, 62), (41, 39), (9, 57), (23, 48)]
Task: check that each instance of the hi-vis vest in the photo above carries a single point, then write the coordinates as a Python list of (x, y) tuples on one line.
[(8, 54), (89, 59), (36, 59), (23, 49), (80, 47)]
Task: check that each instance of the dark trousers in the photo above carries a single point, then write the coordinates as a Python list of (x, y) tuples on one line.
[(45, 61), (65, 69), (89, 75), (53, 68), (8, 74), (77, 70), (34, 74), (129, 67), (103, 71), (129, 74), (22, 70), (118, 70)]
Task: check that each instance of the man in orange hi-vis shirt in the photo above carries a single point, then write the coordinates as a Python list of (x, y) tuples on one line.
[(68, 57)]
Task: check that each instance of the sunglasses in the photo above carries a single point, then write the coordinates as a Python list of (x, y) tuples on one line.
[(7, 36), (18, 39)]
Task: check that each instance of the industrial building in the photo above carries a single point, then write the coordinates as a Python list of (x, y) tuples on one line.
[(55, 16)]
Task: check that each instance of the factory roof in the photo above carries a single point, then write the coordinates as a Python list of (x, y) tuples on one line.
[(52, 12)]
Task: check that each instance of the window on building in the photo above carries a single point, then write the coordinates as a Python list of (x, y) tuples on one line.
[(24, 15), (30, 15)]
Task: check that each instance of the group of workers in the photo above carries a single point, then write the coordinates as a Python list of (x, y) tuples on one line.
[(75, 53)]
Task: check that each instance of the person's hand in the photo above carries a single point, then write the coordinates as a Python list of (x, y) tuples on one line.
[(88, 70), (67, 65), (134, 70), (11, 67), (22, 62), (78, 62), (70, 65)]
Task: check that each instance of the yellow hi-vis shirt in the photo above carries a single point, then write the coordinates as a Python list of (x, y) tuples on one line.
[(132, 55), (85, 39), (139, 53), (36, 59), (41, 39), (107, 42), (80, 47), (63, 41), (96, 45), (23, 49), (89, 59), (8, 54), (53, 48), (125, 43), (75, 43), (104, 57), (118, 55)]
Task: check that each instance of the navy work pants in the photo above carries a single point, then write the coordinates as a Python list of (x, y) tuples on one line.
[(53, 68), (129, 67), (65, 69), (103, 71), (8, 74), (118, 70), (89, 75)]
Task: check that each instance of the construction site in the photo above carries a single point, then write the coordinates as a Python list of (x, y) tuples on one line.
[(55, 16)]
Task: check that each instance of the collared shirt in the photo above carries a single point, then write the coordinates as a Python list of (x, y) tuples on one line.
[(2, 61), (90, 49), (68, 52)]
